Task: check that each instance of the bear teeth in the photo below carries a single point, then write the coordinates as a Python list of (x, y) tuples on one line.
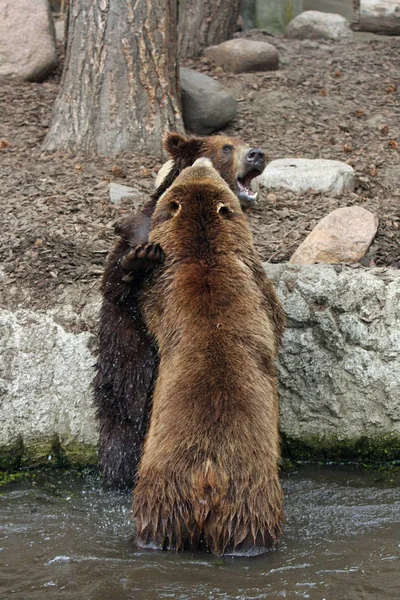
[(244, 191)]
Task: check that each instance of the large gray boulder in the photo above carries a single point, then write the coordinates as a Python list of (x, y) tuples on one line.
[(339, 369), (27, 39), (207, 105), (45, 378), (316, 25), (244, 56), (302, 175)]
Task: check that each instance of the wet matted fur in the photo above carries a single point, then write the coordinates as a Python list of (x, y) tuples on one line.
[(127, 361), (209, 471)]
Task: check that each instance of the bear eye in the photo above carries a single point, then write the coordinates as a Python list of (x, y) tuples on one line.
[(227, 149)]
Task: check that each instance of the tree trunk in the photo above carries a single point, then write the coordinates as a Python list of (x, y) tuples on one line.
[(120, 86), (205, 23), (377, 16)]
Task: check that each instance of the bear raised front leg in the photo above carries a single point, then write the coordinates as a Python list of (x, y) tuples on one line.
[(145, 256)]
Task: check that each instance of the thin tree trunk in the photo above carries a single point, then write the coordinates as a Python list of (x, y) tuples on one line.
[(120, 87), (205, 23)]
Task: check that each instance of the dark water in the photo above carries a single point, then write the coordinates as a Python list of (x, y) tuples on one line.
[(63, 536)]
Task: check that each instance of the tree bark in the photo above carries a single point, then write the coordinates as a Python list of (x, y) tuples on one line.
[(205, 23), (120, 84)]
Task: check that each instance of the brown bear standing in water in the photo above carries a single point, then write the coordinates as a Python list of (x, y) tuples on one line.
[(127, 361), (209, 471)]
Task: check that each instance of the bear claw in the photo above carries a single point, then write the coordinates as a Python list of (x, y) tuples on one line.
[(145, 256)]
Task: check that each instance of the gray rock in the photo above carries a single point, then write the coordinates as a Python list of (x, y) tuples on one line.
[(207, 105), (301, 175), (119, 191), (60, 31), (316, 25), (163, 172), (339, 368), (45, 376), (27, 39), (244, 56)]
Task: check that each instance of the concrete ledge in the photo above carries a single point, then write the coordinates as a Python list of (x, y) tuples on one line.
[(339, 372)]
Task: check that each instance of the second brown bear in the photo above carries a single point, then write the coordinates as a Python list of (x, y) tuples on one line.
[(209, 472), (127, 362)]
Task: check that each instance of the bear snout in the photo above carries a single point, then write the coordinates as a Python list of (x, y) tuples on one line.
[(255, 157)]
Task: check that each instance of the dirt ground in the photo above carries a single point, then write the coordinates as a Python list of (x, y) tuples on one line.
[(327, 100)]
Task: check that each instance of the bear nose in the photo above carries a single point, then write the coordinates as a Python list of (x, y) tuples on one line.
[(255, 157)]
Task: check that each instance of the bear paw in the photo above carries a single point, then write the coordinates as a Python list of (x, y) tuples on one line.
[(145, 256)]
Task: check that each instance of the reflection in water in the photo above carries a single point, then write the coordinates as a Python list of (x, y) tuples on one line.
[(64, 536)]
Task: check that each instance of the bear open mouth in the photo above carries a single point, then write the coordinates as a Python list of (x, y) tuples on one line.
[(244, 191)]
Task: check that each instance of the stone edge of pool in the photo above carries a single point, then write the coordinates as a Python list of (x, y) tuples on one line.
[(339, 372), (364, 451)]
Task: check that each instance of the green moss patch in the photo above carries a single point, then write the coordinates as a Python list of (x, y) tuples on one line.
[(6, 477), (364, 451), (80, 455), (47, 453)]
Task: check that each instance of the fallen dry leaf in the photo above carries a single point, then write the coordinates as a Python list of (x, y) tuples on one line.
[(117, 171)]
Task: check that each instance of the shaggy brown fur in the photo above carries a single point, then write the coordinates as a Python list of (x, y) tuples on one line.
[(209, 471), (127, 361)]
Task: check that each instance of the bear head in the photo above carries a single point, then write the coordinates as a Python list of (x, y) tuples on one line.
[(237, 163), (199, 216)]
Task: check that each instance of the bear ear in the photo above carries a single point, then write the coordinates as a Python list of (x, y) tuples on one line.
[(174, 207), (224, 210), (174, 143)]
